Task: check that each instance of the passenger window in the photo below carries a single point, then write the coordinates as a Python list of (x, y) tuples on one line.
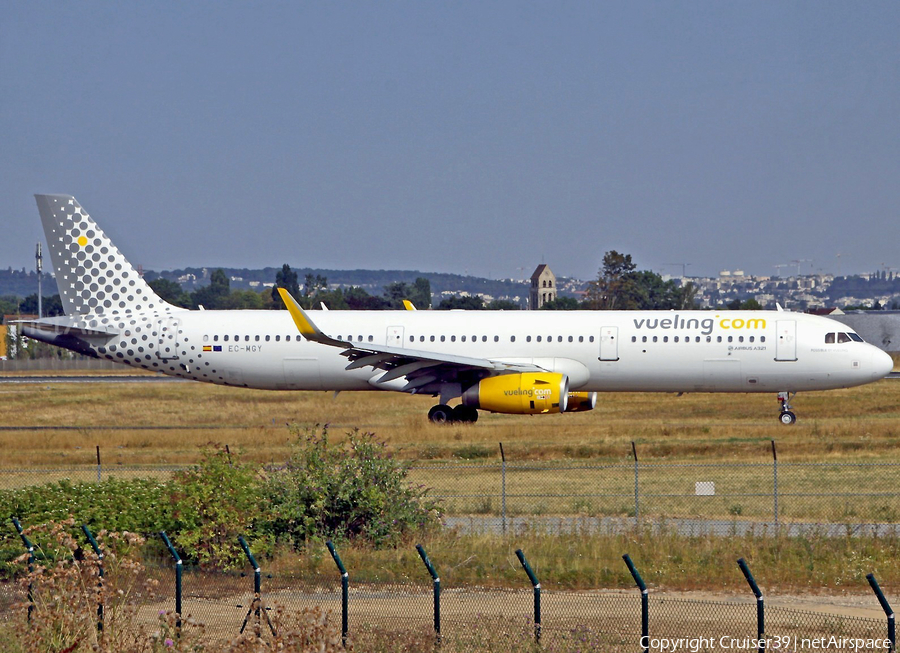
[(360, 338), (676, 339), (483, 338), (558, 338), (421, 338), (666, 338), (527, 338), (277, 338), (581, 338), (708, 338), (246, 338), (225, 338), (571, 339), (698, 339), (762, 338), (633, 339), (370, 338), (740, 338), (268, 338), (718, 338), (287, 338), (644, 339), (496, 338), (256, 338), (843, 337), (215, 338), (205, 338), (829, 338), (730, 338), (443, 338), (512, 338), (751, 338), (412, 338), (431, 338), (463, 338), (452, 338), (349, 338), (538, 338), (591, 339), (654, 338)]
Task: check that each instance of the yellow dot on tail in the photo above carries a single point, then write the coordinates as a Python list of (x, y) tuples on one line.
[(82, 240)]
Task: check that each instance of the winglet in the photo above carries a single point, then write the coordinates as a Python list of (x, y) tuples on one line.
[(408, 305), (306, 327)]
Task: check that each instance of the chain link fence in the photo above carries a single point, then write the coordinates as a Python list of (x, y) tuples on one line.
[(223, 604), (830, 498)]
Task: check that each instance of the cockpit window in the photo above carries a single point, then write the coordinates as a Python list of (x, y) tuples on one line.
[(831, 338)]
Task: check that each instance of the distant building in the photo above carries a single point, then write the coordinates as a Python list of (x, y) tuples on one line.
[(543, 287)]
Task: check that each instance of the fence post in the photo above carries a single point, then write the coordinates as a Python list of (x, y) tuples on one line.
[(537, 594), (760, 606), (345, 591), (96, 548), (30, 548), (503, 486), (636, 504), (645, 603), (256, 607), (99, 468), (178, 570), (775, 483), (892, 633), (437, 594)]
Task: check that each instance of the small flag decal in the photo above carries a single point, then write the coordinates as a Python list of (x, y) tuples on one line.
[(207, 348)]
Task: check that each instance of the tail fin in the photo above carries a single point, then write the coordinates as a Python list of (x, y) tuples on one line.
[(92, 275)]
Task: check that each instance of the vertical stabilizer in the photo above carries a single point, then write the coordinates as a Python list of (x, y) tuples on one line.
[(92, 275)]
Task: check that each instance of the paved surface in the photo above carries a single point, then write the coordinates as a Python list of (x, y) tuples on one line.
[(682, 526), (110, 378)]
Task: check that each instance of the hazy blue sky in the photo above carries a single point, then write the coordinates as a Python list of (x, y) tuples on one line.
[(465, 136)]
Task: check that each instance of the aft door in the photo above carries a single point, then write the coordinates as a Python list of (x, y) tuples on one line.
[(786, 342), (609, 343), (167, 329), (395, 336)]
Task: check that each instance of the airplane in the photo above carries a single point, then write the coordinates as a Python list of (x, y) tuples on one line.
[(502, 362)]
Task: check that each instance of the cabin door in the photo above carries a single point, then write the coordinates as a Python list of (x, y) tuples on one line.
[(786, 343), (167, 330), (609, 343)]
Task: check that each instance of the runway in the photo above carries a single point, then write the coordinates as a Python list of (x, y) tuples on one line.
[(106, 378)]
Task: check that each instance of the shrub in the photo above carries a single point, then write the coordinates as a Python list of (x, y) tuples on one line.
[(352, 490), (211, 505)]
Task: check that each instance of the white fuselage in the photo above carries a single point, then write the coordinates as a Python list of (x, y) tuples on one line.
[(653, 351)]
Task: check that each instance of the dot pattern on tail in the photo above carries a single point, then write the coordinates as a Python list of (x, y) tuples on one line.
[(96, 278)]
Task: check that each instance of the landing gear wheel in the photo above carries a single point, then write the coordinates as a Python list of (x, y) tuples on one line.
[(787, 418), (464, 414), (440, 414)]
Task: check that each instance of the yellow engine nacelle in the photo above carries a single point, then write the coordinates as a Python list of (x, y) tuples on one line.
[(529, 393), (581, 401)]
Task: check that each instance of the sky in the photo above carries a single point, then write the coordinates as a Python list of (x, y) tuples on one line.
[(478, 138)]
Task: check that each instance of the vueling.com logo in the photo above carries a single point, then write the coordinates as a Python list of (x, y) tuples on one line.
[(705, 326)]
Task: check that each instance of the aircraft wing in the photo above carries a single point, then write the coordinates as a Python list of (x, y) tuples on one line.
[(419, 367)]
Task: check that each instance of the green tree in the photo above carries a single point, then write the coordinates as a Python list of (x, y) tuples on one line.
[(285, 278), (215, 294), (609, 290), (502, 305), (242, 299), (170, 291), (562, 304), (358, 299), (50, 306), (466, 302)]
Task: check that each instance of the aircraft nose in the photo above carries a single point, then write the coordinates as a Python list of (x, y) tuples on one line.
[(882, 363)]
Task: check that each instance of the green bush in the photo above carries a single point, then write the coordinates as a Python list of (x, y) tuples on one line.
[(353, 490), (211, 505)]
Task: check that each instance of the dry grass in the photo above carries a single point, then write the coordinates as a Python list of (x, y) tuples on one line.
[(167, 423)]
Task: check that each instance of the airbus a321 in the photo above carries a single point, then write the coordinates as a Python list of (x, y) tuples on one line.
[(503, 362)]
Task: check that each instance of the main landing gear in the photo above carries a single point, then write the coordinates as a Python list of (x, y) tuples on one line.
[(786, 416), (444, 414)]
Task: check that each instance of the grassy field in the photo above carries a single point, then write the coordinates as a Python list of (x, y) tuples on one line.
[(169, 422)]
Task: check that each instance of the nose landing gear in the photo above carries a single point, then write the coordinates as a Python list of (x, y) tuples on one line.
[(786, 417)]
